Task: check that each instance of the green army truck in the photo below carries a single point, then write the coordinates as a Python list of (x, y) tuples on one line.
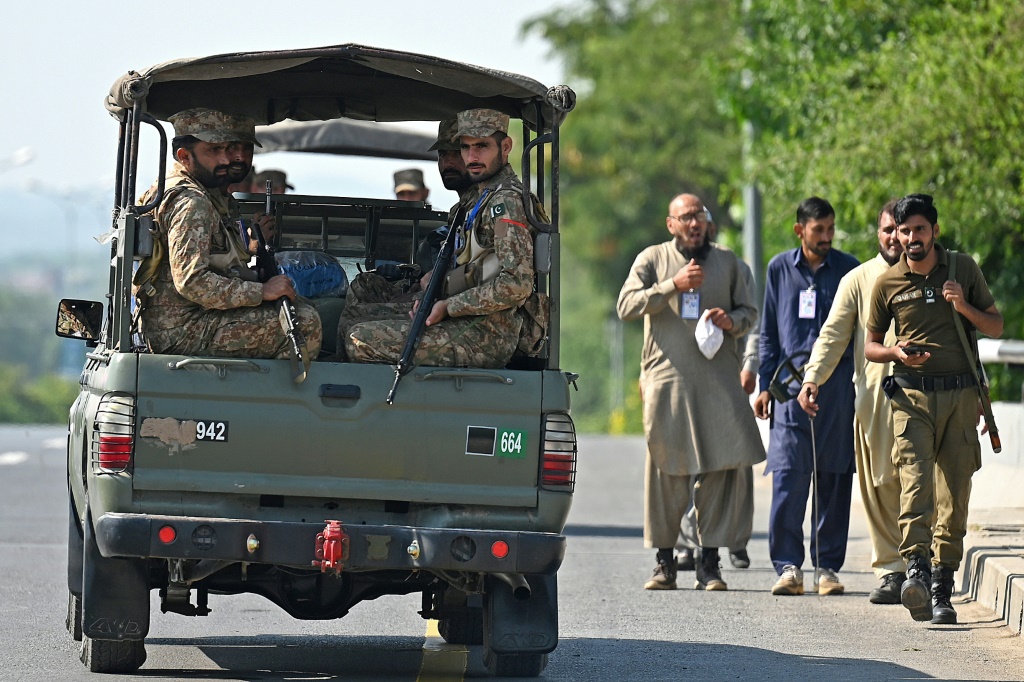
[(193, 476)]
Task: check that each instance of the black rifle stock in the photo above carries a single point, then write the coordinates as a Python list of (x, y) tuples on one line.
[(430, 296), (266, 267)]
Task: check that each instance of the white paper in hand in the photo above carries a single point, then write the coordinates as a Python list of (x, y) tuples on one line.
[(709, 337)]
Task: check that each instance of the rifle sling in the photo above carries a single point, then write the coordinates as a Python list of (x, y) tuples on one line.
[(972, 358)]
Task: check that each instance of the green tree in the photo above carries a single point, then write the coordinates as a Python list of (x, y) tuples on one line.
[(645, 129), (45, 400), (862, 100)]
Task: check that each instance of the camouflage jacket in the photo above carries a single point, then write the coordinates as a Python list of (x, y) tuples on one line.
[(500, 224), (206, 263)]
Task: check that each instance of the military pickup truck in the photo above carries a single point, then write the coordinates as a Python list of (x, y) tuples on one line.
[(192, 476)]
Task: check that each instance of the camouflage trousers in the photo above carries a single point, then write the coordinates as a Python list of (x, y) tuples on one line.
[(238, 333), (377, 332)]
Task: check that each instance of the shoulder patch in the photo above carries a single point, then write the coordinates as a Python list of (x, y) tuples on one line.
[(498, 210)]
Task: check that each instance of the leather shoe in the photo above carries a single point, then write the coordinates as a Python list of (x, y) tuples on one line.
[(739, 558)]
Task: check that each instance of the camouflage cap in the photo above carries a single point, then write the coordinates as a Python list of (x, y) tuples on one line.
[(278, 178), (214, 126), (409, 180), (480, 123), (446, 130)]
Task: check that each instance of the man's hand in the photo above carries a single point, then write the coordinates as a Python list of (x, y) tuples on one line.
[(720, 319), (910, 359), (690, 276), (808, 398), (425, 279), (267, 224), (954, 294), (438, 312), (277, 287), (761, 403), (748, 380)]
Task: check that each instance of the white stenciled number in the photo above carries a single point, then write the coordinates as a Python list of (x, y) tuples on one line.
[(220, 431), (511, 441), (201, 430), (211, 430)]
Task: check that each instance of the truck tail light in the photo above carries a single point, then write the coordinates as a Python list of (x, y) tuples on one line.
[(113, 437), (558, 463)]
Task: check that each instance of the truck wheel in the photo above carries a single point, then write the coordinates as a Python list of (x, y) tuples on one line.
[(463, 629), (113, 656), (514, 665), (74, 620)]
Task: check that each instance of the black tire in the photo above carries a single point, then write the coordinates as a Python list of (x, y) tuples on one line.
[(73, 622), (113, 656), (514, 665), (463, 629)]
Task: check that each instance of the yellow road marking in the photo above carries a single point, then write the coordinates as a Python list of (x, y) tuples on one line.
[(442, 662)]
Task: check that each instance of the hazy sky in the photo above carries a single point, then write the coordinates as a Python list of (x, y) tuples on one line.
[(61, 58)]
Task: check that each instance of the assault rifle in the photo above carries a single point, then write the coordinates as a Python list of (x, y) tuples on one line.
[(430, 296), (266, 267)]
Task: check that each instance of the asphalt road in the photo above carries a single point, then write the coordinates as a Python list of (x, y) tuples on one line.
[(610, 628)]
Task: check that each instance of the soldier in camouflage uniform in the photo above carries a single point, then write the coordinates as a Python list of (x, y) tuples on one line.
[(369, 289), (478, 326), (197, 294)]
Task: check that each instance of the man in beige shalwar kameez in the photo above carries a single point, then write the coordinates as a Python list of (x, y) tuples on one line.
[(700, 430), (872, 420)]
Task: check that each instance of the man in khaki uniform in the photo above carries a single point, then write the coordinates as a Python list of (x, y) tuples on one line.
[(879, 483), (934, 398), (202, 297), (478, 322)]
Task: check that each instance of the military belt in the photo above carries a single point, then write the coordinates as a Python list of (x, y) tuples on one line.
[(945, 382)]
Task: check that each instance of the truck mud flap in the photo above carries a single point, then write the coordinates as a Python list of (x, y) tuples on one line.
[(115, 594), (521, 626), (76, 550)]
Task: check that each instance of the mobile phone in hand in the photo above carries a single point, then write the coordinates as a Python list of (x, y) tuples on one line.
[(913, 350)]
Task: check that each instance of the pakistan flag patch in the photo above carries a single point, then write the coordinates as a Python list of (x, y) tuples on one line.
[(498, 210)]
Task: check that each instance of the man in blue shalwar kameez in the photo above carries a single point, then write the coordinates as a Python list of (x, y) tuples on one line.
[(799, 289)]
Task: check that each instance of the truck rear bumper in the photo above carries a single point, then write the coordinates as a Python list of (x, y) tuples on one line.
[(294, 544)]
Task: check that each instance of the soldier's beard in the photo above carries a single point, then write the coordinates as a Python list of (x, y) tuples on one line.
[(238, 171), (207, 177), (455, 181)]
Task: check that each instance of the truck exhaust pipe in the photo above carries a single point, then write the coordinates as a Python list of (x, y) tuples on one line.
[(520, 588)]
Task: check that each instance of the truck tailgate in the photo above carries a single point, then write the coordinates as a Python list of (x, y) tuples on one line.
[(466, 436)]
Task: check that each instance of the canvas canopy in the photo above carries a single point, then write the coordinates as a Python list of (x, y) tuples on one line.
[(345, 136), (343, 81)]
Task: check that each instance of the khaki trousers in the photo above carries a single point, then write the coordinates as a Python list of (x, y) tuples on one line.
[(937, 451), (881, 507), (722, 505)]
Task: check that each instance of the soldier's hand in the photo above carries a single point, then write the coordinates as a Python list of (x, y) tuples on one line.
[(277, 287), (267, 224), (910, 359), (808, 398), (954, 294), (690, 276), (761, 403), (438, 312), (425, 279), (720, 319), (748, 380)]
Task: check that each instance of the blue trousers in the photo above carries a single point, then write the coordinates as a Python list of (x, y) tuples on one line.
[(790, 492)]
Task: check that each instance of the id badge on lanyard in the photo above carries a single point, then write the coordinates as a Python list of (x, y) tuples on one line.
[(808, 304), (689, 305)]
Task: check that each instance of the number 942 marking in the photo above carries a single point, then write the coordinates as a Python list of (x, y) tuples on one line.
[(212, 430)]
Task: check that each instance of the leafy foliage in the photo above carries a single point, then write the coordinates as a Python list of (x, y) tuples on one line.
[(45, 400), (854, 100)]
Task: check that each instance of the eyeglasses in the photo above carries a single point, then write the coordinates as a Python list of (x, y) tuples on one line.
[(700, 217)]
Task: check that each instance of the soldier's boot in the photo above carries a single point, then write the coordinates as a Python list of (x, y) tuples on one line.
[(942, 591), (915, 594), (709, 571)]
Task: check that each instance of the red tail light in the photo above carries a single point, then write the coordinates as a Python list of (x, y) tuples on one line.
[(113, 441), (558, 466)]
